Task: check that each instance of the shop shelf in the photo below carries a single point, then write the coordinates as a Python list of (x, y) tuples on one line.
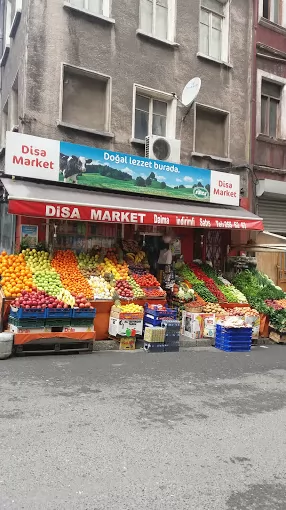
[(22, 313), (83, 313), (59, 313)]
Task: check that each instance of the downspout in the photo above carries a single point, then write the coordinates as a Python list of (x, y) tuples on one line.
[(25, 67), (1, 36), (254, 80)]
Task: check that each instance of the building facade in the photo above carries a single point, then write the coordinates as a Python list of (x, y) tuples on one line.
[(106, 73), (268, 153)]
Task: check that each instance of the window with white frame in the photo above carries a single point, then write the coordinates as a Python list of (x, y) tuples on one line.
[(214, 29), (154, 114), (86, 99), (270, 108), (157, 18), (98, 7), (272, 10)]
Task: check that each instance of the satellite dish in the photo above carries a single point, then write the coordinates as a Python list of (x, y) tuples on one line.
[(191, 91)]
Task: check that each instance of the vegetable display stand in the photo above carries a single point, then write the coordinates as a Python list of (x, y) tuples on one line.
[(279, 337), (53, 342), (233, 305), (264, 326)]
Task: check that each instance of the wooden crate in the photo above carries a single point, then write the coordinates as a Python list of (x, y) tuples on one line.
[(276, 336)]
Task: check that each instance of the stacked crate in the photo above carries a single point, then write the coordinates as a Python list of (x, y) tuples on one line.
[(51, 320), (172, 335), (233, 339), (154, 339)]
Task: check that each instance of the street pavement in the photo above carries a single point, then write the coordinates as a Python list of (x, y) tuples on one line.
[(198, 430)]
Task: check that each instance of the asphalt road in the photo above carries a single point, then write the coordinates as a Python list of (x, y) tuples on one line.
[(198, 430)]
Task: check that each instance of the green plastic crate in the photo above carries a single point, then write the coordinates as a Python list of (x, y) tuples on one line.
[(27, 323), (57, 323)]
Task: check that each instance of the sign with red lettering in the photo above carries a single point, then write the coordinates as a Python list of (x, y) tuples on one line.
[(51, 160), (116, 215)]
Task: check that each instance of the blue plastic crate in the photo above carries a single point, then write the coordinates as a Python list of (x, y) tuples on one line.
[(161, 314), (59, 313), (227, 343), (152, 321), (234, 340), (233, 349), (83, 313), (233, 332), (31, 313)]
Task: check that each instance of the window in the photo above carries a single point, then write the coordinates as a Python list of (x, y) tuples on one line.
[(157, 18), (211, 131), (8, 21), (214, 29), (86, 98), (270, 108), (271, 10), (154, 113), (97, 7)]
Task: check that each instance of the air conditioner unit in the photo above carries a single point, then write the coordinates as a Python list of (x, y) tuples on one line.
[(164, 149)]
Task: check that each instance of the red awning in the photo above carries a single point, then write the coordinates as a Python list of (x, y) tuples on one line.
[(57, 202)]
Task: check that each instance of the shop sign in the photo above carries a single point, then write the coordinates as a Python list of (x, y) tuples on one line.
[(116, 215), (52, 160)]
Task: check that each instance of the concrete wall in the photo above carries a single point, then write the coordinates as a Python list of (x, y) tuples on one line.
[(56, 34)]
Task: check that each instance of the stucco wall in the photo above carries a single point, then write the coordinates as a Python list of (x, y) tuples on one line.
[(58, 35)]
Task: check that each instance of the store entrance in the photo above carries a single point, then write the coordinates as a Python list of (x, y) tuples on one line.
[(152, 244)]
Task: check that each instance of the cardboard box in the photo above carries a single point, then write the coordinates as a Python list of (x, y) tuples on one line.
[(198, 325), (27, 331), (209, 326), (127, 344), (116, 313), (78, 329), (254, 321), (122, 326)]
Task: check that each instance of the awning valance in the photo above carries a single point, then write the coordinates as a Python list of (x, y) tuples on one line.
[(59, 202)]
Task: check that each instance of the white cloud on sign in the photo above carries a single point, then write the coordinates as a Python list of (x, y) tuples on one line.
[(128, 171), (188, 179), (179, 180), (160, 178)]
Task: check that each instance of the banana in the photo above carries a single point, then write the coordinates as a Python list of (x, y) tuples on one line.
[(131, 255)]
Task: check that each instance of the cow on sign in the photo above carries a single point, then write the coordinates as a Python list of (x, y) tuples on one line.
[(73, 166)]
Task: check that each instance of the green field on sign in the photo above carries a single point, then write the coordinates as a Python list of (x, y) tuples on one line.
[(155, 188)]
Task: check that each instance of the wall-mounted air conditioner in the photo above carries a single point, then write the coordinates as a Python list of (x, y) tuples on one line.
[(164, 149)]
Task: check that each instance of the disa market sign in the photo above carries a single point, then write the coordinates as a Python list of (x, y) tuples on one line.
[(52, 160)]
